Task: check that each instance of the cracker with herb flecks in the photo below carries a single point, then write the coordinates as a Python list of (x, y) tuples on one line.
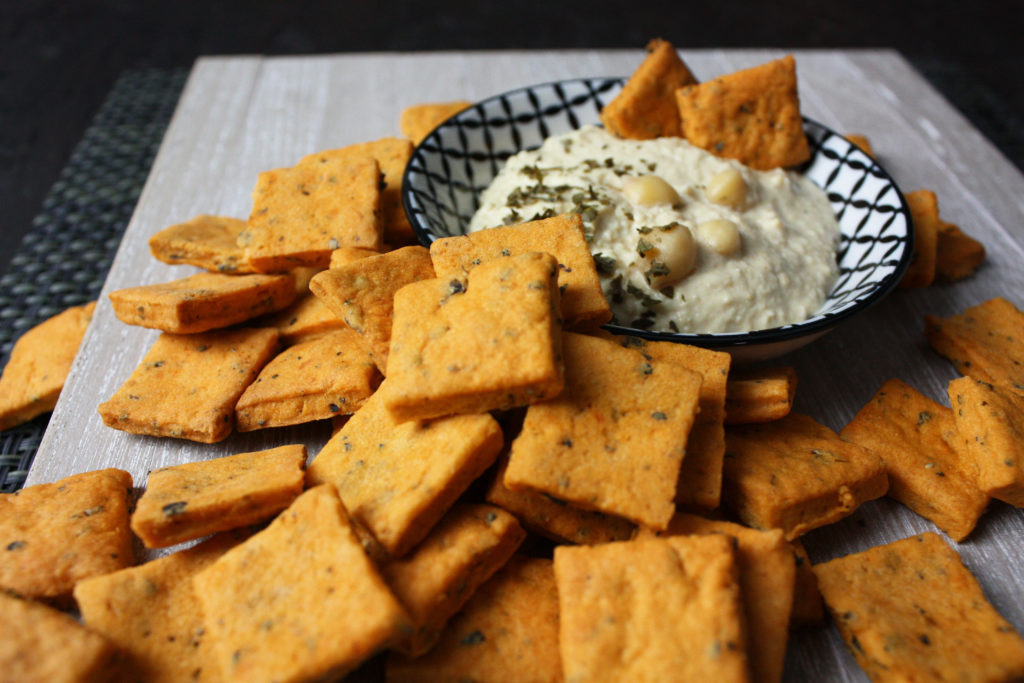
[(203, 302), (653, 609), (990, 423), (342, 256), (398, 479), (646, 108), (760, 395), (957, 254), (419, 120), (312, 380), (924, 215), (362, 294), (862, 143), (187, 385), (304, 320), (303, 213), (208, 242), (38, 643), (983, 342), (615, 437), (796, 475), (54, 535), (193, 500), (490, 341), (511, 618), (911, 611), (927, 466), (583, 301), (752, 116), (435, 580), (808, 608), (299, 600), (39, 365)]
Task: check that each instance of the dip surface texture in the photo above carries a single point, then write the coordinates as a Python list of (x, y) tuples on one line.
[(670, 261)]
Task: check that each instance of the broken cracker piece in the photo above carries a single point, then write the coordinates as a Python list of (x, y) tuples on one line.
[(957, 254)]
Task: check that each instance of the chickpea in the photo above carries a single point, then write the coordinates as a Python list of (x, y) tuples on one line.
[(676, 250), (727, 188), (721, 235), (650, 189)]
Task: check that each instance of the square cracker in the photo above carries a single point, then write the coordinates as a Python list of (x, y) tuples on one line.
[(312, 380), (435, 580), (646, 106), (362, 294), (924, 456), (511, 618), (304, 320), (924, 214), (653, 609), (203, 302), (583, 301), (752, 116), (760, 395), (614, 439), (491, 341), (398, 479), (911, 611), (187, 385), (196, 499), (273, 618), (419, 120), (39, 365), (983, 342), (54, 535), (808, 608), (957, 254), (796, 475), (208, 242), (342, 256)]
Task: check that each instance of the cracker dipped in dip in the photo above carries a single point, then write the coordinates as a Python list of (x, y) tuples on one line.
[(685, 241)]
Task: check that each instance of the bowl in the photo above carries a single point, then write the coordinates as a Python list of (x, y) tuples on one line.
[(457, 161)]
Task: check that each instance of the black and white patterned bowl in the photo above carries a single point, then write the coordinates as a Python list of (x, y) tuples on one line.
[(450, 168)]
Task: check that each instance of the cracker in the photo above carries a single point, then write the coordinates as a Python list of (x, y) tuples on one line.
[(343, 256), (752, 116), (583, 301), (362, 294), (862, 143), (303, 213), (614, 439), (38, 643), (39, 365), (924, 215), (808, 608), (957, 255), (196, 499), (653, 609), (471, 345), (911, 611), (990, 423), (646, 106), (796, 475), (187, 385), (312, 380), (208, 242), (398, 479), (760, 395), (54, 535), (306, 319), (419, 120), (203, 302), (983, 342), (468, 545), (923, 454)]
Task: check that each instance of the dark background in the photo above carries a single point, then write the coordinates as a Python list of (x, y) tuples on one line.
[(58, 60)]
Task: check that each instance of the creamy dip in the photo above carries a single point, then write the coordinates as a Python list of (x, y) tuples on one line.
[(759, 254)]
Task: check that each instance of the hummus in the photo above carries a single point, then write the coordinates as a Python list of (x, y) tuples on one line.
[(685, 241)]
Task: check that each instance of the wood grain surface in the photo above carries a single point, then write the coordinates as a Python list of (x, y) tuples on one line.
[(239, 116)]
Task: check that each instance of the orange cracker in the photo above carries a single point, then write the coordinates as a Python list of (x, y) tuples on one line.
[(796, 475), (419, 120), (342, 256), (752, 116), (614, 439), (862, 143), (759, 395), (924, 214), (187, 385), (39, 364), (54, 535), (983, 342), (299, 600), (646, 106), (507, 632), (208, 242), (917, 439), (469, 346), (808, 608), (650, 610), (957, 255), (305, 319), (467, 546), (397, 479), (196, 499), (362, 294), (583, 302), (301, 214), (911, 611)]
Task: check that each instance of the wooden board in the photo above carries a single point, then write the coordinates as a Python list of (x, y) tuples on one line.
[(242, 115)]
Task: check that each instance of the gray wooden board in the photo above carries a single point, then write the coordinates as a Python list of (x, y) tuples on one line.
[(242, 115)]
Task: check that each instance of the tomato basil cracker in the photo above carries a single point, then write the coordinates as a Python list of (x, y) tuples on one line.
[(924, 215), (304, 320), (862, 142), (983, 342), (208, 242), (418, 120), (760, 395), (957, 254), (808, 608)]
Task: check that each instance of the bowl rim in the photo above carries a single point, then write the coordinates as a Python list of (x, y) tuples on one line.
[(820, 322)]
